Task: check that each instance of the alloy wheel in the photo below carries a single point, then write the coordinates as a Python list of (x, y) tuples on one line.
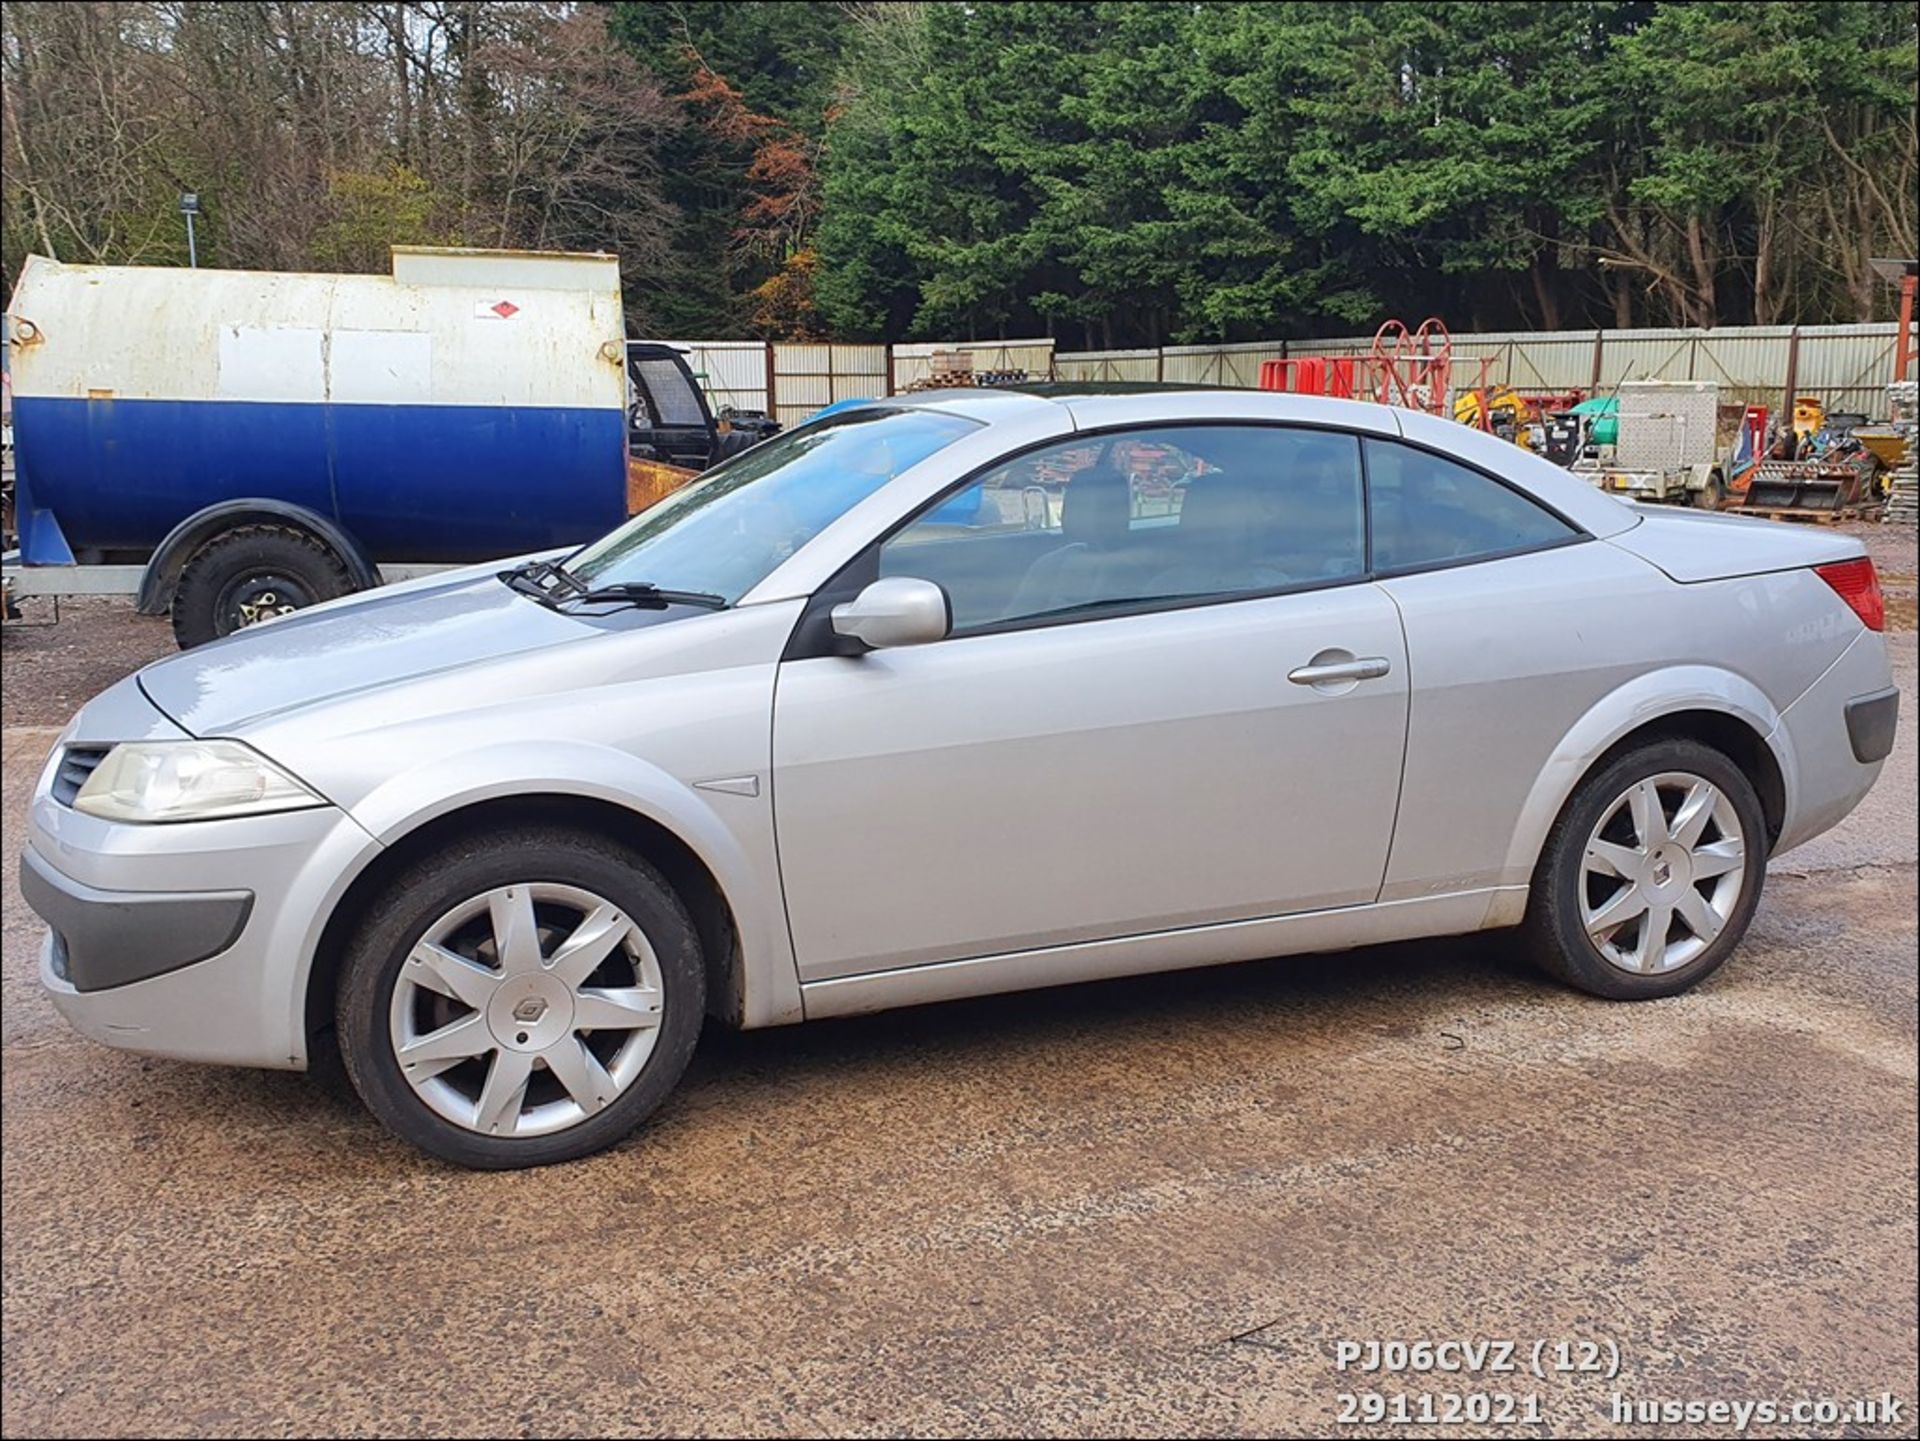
[(526, 1009), (1662, 873)]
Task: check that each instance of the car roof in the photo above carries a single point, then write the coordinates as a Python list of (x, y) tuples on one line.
[(1096, 404)]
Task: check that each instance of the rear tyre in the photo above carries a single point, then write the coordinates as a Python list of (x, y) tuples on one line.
[(522, 998), (1713, 495), (1651, 875), (249, 574)]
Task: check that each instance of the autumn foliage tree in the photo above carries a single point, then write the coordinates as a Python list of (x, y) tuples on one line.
[(779, 207)]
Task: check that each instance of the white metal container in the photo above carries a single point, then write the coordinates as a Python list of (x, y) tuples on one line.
[(469, 404)]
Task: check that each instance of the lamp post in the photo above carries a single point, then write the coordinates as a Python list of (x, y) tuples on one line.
[(190, 207), (1906, 275)]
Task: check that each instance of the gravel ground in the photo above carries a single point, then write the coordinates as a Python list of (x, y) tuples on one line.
[(1149, 1206), (53, 667)]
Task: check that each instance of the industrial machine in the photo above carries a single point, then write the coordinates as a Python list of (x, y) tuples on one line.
[(1412, 369), (1818, 468), (1666, 445), (1525, 417)]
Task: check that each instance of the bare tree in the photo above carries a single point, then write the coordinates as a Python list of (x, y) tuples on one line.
[(318, 132)]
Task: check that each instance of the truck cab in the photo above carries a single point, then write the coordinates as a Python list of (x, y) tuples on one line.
[(668, 418)]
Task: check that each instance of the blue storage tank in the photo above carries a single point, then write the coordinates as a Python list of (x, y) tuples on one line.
[(471, 404)]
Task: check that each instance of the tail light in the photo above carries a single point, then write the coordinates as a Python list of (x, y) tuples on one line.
[(1858, 584)]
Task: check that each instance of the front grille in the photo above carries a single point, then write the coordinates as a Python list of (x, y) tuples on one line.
[(76, 764)]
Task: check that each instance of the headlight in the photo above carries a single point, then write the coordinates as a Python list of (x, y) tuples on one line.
[(188, 781)]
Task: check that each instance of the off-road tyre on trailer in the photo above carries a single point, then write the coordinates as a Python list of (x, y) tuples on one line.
[(250, 573)]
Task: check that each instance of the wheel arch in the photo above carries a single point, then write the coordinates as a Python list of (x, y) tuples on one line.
[(692, 879), (170, 557), (1715, 707)]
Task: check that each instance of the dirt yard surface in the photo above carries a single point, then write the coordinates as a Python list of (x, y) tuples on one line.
[(53, 667), (1151, 1206)]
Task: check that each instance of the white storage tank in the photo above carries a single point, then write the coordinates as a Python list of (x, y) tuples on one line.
[(470, 404)]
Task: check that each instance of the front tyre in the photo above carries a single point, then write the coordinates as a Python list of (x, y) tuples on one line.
[(1651, 875), (523, 998)]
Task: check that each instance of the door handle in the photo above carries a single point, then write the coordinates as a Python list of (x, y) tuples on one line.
[(1370, 667)]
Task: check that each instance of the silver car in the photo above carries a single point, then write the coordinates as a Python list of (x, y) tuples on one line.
[(941, 696)]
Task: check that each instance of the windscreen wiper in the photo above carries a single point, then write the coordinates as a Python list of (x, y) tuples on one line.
[(640, 593), (547, 581)]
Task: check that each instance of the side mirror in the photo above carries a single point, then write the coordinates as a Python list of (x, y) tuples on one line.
[(899, 610)]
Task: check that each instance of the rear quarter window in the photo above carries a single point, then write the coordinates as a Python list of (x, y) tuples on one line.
[(1427, 510)]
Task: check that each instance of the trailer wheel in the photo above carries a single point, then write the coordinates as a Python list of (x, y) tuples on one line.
[(1713, 495), (250, 573)]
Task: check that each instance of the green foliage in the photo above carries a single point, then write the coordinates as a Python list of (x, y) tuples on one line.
[(782, 56), (371, 211), (1135, 173), (1110, 173)]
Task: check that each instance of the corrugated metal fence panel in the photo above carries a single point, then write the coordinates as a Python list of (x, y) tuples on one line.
[(807, 377), (914, 362), (1108, 365), (1219, 364), (1468, 353), (860, 371), (1561, 360), (802, 381), (732, 372), (1644, 355), (1749, 362), (1847, 366), (1033, 356), (1333, 345)]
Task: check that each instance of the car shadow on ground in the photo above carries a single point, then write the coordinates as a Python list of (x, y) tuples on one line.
[(1397, 992)]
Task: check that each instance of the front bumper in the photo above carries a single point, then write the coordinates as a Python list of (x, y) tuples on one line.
[(151, 945), (128, 905), (102, 939)]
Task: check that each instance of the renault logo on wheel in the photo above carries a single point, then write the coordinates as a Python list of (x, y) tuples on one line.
[(530, 1010)]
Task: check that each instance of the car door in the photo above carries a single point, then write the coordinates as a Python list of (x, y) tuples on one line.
[(1516, 627), (1169, 699)]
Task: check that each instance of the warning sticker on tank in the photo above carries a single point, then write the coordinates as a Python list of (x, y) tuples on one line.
[(495, 310)]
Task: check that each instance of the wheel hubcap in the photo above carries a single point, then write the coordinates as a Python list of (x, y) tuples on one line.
[(1662, 873), (526, 1009), (261, 597)]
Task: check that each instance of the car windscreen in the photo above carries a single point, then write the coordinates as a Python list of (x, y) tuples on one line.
[(725, 532)]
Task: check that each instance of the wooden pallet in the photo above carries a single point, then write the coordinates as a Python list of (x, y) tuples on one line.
[(944, 380), (1812, 516)]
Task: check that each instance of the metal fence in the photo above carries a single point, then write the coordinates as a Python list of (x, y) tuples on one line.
[(1846, 366), (734, 373)]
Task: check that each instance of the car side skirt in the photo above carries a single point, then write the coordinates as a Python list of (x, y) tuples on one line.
[(1344, 928)]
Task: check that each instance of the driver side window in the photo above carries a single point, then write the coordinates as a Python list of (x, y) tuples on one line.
[(1142, 518)]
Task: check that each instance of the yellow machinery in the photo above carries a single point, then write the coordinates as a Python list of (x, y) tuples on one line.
[(1809, 416), (1500, 410)]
